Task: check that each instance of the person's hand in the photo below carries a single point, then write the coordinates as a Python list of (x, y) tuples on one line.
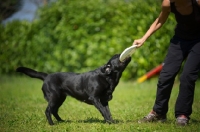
[(138, 42)]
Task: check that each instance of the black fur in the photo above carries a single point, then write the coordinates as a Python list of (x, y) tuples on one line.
[(93, 87)]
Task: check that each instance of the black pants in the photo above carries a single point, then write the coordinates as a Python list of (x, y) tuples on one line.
[(179, 50)]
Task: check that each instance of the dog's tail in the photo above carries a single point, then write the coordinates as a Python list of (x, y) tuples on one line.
[(32, 73)]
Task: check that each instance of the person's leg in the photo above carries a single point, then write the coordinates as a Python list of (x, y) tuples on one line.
[(187, 82), (172, 64)]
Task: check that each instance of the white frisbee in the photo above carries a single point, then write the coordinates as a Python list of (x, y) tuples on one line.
[(127, 52)]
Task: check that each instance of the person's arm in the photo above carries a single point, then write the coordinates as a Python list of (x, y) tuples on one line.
[(198, 2), (156, 24)]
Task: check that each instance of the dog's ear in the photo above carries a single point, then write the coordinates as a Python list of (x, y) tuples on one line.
[(107, 69)]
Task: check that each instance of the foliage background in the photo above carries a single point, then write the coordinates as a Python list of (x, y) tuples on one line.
[(77, 36)]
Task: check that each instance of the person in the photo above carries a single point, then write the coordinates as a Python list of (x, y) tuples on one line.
[(184, 45)]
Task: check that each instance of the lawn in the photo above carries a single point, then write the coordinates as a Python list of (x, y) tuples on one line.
[(22, 109)]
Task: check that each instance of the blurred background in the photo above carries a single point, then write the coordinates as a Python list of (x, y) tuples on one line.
[(78, 36)]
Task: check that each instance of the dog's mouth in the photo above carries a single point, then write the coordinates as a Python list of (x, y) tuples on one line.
[(127, 60)]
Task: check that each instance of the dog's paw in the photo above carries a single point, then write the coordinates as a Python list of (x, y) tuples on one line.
[(109, 121), (61, 120)]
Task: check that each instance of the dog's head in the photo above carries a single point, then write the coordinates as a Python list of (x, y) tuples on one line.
[(114, 65)]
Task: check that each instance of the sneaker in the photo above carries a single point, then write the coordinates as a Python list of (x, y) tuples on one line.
[(153, 117), (182, 120)]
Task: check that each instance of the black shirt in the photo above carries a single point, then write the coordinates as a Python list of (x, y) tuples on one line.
[(188, 26)]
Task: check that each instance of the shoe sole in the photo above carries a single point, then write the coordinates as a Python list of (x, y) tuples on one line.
[(161, 121)]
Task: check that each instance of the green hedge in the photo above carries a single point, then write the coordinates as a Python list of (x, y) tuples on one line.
[(77, 36)]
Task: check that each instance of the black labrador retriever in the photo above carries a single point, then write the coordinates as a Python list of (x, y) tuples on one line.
[(93, 87)]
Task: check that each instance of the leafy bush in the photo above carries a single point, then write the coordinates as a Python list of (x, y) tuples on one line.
[(72, 35)]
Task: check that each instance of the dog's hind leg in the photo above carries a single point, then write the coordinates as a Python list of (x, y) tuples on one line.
[(57, 103), (47, 96), (54, 103), (55, 100), (48, 115)]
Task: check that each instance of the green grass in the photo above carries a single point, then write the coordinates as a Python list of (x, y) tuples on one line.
[(22, 109)]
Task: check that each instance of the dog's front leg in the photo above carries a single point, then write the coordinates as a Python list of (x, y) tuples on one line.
[(106, 106), (104, 109)]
